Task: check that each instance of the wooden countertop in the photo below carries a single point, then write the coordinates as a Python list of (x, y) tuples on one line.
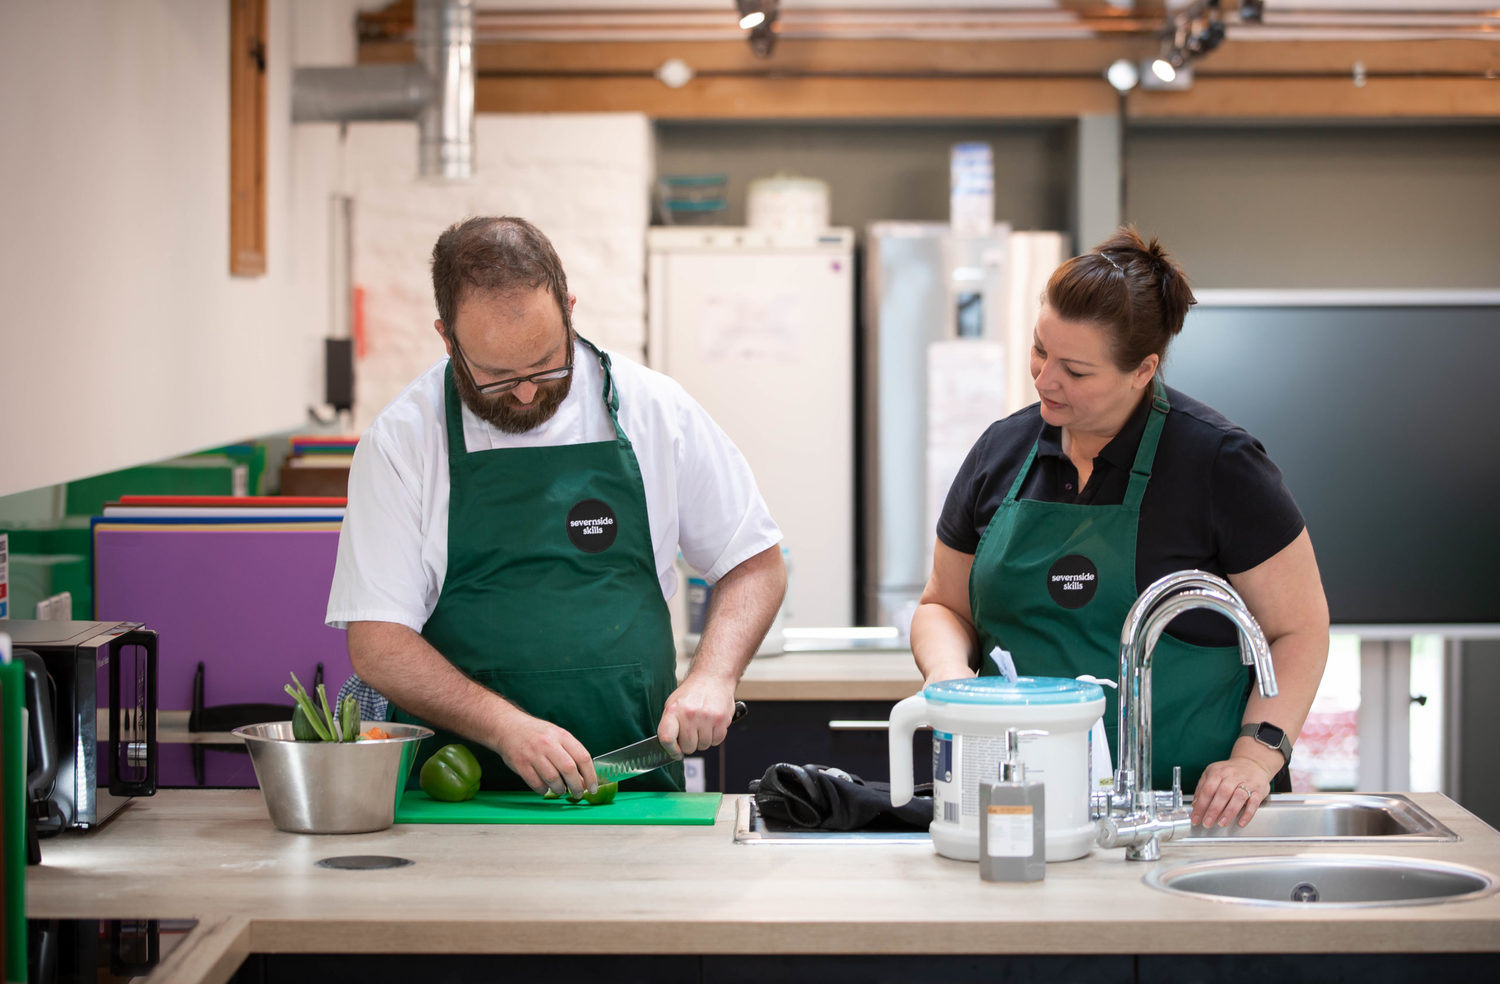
[(213, 855), (880, 675)]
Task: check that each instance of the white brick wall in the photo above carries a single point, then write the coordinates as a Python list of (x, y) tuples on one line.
[(584, 179)]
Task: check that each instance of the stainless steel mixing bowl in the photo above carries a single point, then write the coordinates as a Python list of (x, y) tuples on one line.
[(323, 787)]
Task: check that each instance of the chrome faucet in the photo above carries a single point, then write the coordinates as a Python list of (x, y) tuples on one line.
[(1133, 815)]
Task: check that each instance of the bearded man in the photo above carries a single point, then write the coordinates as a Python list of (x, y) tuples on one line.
[(513, 522)]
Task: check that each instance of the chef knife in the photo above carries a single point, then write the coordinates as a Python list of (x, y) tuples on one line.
[(642, 756)]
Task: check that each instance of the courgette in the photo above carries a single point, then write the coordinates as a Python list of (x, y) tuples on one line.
[(302, 728)]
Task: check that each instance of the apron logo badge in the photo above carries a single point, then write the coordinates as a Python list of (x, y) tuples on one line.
[(1072, 581), (591, 526)]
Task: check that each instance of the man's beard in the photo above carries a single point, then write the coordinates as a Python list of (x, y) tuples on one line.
[(502, 411)]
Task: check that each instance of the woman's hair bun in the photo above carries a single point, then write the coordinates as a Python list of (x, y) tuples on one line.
[(1131, 286)]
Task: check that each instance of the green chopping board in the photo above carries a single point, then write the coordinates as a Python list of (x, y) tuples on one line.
[(634, 808)]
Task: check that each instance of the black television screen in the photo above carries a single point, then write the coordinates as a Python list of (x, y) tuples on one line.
[(1385, 421)]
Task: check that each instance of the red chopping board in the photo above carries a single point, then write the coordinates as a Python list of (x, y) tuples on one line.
[(629, 808)]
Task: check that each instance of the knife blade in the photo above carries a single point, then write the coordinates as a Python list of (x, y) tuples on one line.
[(645, 755)]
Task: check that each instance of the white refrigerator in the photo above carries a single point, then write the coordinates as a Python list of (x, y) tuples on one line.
[(758, 326), (945, 344)]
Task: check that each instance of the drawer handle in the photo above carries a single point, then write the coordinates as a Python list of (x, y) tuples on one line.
[(859, 725)]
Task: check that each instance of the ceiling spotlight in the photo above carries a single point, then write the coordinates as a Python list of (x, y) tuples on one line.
[(1165, 74), (1208, 38), (1123, 75), (756, 13), (759, 18)]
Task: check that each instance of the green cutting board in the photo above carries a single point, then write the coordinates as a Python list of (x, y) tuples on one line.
[(636, 808)]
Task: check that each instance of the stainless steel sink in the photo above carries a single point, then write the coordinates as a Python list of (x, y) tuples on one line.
[(1311, 818), (1349, 881), (1338, 817)]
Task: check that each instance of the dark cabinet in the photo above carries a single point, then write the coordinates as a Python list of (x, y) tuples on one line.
[(850, 735)]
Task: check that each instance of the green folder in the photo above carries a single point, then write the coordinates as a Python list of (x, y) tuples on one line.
[(206, 474), (13, 813)]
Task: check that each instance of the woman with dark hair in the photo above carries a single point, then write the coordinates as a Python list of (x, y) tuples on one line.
[(1110, 481)]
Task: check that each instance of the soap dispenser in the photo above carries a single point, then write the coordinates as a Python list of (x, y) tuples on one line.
[(1012, 820)]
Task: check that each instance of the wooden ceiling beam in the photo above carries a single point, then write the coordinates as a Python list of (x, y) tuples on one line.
[(737, 98), (1077, 57), (1331, 99), (733, 98)]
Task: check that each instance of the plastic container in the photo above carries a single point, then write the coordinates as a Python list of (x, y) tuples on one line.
[(971, 203), (969, 718), (787, 203), (691, 199), (1012, 821), (698, 593), (330, 787)]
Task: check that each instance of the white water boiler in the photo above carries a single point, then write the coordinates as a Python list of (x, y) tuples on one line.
[(969, 718)]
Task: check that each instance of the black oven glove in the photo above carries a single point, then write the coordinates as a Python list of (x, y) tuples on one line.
[(821, 798)]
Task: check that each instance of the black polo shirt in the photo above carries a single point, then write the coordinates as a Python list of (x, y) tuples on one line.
[(1215, 501)]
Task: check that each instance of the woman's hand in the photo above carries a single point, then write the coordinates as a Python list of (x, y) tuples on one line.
[(1236, 786)]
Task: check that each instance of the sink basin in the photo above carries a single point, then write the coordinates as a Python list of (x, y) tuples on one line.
[(1348, 881), (1333, 817)]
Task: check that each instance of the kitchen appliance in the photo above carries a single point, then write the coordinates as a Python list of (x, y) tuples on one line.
[(758, 326), (969, 718), (100, 951), (91, 667), (944, 347)]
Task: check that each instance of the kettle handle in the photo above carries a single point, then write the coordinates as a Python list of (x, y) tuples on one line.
[(906, 717), (39, 705)]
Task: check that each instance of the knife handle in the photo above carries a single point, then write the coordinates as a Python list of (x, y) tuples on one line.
[(739, 711)]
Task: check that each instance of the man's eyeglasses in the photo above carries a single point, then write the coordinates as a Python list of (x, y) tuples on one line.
[(506, 385)]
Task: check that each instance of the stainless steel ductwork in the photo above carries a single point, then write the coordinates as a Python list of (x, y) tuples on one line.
[(445, 49), (437, 92), (362, 94)]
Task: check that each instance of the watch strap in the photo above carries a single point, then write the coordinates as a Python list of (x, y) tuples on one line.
[(1252, 730)]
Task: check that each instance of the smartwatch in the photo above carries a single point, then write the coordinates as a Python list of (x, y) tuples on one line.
[(1270, 736)]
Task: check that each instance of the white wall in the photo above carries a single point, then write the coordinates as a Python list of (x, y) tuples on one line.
[(124, 339), (1412, 205), (583, 179)]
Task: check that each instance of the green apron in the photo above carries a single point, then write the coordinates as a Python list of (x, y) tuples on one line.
[(551, 597), (1052, 583)]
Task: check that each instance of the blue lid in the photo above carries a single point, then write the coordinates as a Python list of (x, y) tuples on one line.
[(1024, 690)]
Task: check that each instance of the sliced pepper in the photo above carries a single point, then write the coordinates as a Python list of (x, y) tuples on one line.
[(451, 774)]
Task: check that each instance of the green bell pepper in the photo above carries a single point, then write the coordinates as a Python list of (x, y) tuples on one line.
[(451, 774)]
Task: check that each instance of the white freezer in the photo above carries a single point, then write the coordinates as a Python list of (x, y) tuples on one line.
[(758, 325)]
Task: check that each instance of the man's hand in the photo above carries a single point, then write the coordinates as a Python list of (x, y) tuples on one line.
[(545, 756), (697, 715)]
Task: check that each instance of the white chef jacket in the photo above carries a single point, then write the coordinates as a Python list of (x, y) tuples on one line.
[(393, 546)]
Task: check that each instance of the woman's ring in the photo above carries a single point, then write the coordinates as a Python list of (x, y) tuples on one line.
[(1244, 787)]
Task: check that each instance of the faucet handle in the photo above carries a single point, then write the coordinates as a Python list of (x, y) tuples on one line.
[(1176, 787)]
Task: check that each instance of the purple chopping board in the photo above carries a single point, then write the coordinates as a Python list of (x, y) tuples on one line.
[(248, 602)]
